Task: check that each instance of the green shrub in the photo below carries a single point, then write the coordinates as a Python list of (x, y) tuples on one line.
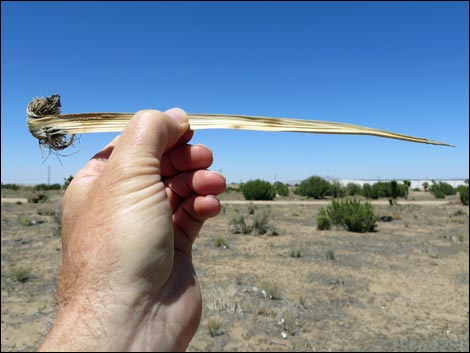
[(353, 215), (258, 190), (367, 190), (45, 187), (336, 189), (323, 221), (463, 193), (281, 188), (314, 186), (24, 221), (13, 187), (353, 189), (382, 189), (221, 243), (442, 189), (439, 194), (21, 274)]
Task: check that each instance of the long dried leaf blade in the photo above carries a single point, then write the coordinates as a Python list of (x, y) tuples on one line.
[(114, 122)]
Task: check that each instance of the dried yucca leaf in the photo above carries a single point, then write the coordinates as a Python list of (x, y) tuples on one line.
[(53, 129)]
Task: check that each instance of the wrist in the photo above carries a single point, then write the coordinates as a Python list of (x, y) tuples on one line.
[(97, 325), (91, 325)]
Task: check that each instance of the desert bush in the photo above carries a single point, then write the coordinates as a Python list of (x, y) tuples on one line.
[(463, 193), (323, 221), (330, 255), (37, 198), (259, 224), (13, 187), (252, 208), (295, 253), (24, 221), (353, 215), (353, 189), (314, 186), (336, 189), (21, 274), (367, 190), (442, 189), (239, 226), (221, 243), (382, 189), (214, 326), (258, 190), (281, 188), (46, 187)]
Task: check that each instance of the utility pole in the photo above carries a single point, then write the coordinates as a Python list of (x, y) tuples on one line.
[(48, 175)]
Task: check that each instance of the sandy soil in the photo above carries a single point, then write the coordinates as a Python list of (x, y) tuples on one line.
[(404, 287)]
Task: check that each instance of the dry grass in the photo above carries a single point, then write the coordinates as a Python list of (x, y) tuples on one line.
[(402, 288)]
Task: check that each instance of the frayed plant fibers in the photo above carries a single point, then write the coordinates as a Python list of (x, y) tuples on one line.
[(57, 131)]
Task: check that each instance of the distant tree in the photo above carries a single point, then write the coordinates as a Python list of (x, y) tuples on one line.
[(425, 186), (258, 190), (281, 188), (314, 186)]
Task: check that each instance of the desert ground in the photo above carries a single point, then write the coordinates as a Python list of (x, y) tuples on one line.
[(404, 287)]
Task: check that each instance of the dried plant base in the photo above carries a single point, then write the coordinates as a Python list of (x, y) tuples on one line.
[(53, 129)]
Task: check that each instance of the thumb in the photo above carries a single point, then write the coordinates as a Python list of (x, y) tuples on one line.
[(148, 135)]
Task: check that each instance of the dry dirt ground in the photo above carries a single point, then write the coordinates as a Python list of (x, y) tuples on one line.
[(404, 287)]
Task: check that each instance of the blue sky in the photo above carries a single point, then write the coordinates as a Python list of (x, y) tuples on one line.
[(399, 66)]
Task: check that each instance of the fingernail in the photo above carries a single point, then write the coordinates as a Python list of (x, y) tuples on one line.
[(178, 114)]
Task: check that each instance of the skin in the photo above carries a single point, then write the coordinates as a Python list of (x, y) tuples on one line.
[(130, 217)]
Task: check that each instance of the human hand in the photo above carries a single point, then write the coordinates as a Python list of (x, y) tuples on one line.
[(130, 217)]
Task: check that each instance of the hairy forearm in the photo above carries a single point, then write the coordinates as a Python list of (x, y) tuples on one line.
[(85, 326), (92, 326)]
